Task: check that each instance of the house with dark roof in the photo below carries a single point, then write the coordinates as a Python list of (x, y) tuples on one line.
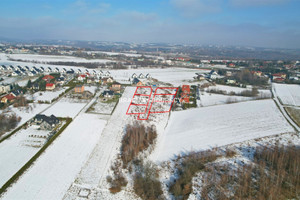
[(45, 122), (108, 93)]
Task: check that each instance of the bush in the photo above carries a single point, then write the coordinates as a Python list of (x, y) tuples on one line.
[(8, 122), (146, 184), (118, 180), (191, 164), (274, 175), (137, 138)]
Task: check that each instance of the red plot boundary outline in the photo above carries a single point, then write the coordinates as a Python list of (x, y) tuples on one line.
[(153, 101)]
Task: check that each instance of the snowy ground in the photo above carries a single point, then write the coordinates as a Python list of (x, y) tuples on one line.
[(92, 176), (66, 107), (103, 108), (209, 99), (219, 125), (46, 95), (24, 112), (50, 58), (174, 76), (288, 94), (21, 81), (18, 150), (238, 90), (56, 169)]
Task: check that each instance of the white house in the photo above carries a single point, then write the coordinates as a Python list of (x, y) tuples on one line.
[(141, 76), (4, 89)]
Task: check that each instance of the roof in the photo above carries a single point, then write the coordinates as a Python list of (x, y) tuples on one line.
[(48, 77), (108, 92), (9, 97), (135, 81), (50, 120), (49, 84)]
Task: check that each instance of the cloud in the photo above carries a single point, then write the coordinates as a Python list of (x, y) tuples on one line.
[(193, 8), (85, 7), (256, 3)]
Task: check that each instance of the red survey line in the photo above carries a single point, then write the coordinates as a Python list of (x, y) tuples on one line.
[(155, 93), (132, 104)]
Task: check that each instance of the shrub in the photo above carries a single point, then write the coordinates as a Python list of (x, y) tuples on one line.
[(146, 184), (137, 138), (118, 180), (191, 164)]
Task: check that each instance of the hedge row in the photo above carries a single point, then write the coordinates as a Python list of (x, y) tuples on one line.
[(35, 157)]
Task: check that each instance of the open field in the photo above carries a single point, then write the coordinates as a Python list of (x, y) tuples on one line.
[(288, 94), (50, 58), (65, 107), (18, 149), (56, 169), (220, 125), (46, 95)]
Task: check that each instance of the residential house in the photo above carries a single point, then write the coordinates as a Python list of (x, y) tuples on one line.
[(279, 77), (116, 87), (148, 76), (231, 81), (134, 76), (56, 70), (78, 71), (4, 89), (8, 98), (87, 95), (137, 82), (50, 86), (141, 76), (185, 94), (16, 73), (228, 73), (107, 80), (81, 77), (48, 78), (256, 73), (79, 89), (35, 86), (231, 65), (60, 80), (49, 69), (108, 93), (45, 122)]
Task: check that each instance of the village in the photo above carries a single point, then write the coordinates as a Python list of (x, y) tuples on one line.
[(80, 118)]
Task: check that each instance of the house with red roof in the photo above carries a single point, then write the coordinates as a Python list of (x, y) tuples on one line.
[(50, 86), (185, 95), (8, 98), (81, 77), (48, 78)]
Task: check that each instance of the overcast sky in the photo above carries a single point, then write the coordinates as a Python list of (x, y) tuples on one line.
[(263, 23)]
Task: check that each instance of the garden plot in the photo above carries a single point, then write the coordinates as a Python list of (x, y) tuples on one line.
[(288, 94), (91, 89), (102, 107), (219, 125), (46, 96), (54, 171), (19, 149), (66, 107)]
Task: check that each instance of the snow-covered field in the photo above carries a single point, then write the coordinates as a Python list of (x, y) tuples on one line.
[(50, 58), (46, 95), (209, 99), (65, 107), (288, 94), (174, 76), (219, 125), (56, 169), (238, 90), (103, 108), (19, 149)]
